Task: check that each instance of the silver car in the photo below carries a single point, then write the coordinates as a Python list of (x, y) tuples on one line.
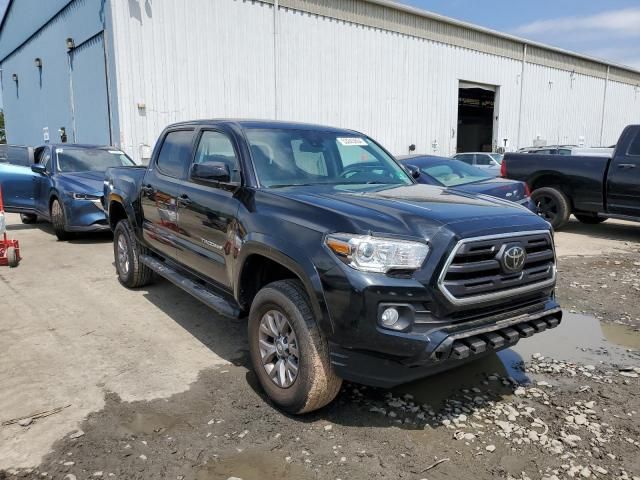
[(489, 162)]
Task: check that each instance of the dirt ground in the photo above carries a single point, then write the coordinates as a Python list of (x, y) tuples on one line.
[(150, 384)]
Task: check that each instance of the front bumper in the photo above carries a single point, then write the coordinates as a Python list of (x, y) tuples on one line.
[(445, 348), (85, 216)]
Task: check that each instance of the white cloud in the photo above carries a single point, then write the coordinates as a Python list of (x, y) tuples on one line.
[(625, 22)]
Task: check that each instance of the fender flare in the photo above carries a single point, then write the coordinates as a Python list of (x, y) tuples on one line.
[(295, 260)]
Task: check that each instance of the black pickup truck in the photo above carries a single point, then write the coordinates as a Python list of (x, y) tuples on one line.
[(346, 266), (592, 188)]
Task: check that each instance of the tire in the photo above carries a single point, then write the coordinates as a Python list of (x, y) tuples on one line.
[(589, 219), (59, 221), (315, 384), (132, 273), (553, 206), (12, 257), (28, 218)]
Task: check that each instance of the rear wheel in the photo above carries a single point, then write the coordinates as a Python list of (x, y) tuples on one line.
[(288, 352), (12, 257), (553, 206), (589, 219), (132, 273), (59, 221), (28, 218)]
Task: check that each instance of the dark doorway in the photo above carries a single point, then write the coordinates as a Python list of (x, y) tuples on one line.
[(475, 119)]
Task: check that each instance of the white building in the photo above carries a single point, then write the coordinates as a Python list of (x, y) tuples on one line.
[(116, 71)]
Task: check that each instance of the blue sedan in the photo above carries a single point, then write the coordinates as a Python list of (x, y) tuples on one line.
[(64, 186), (450, 173)]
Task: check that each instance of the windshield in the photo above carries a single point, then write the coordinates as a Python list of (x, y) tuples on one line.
[(90, 159), (497, 157), (286, 157), (451, 173)]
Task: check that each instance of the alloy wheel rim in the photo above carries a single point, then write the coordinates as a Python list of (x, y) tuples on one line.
[(547, 208), (123, 255), (279, 348)]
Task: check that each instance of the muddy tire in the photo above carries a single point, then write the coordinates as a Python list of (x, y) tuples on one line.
[(28, 218), (59, 221), (288, 352), (132, 273), (12, 257), (553, 206), (589, 219)]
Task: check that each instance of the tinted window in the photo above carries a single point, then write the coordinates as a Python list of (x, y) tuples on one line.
[(483, 160), (72, 159), (15, 155), (175, 152), (217, 147), (466, 158), (564, 151), (450, 173), (634, 148)]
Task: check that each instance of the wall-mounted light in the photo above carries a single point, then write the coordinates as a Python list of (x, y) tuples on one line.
[(38, 62), (70, 44), (14, 77)]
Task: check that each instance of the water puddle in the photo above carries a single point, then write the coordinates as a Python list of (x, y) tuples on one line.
[(148, 423), (252, 465), (578, 339)]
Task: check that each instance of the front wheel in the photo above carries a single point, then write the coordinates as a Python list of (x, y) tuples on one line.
[(589, 219), (132, 273), (553, 206), (288, 352), (59, 221)]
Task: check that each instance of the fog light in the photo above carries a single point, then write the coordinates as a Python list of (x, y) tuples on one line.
[(389, 317)]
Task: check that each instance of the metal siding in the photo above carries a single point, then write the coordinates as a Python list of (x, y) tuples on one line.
[(622, 109), (210, 59), (91, 112), (42, 98)]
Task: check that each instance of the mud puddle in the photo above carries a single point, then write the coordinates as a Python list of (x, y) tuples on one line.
[(578, 339), (252, 465)]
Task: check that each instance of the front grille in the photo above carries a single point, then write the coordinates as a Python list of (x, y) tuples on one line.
[(475, 271)]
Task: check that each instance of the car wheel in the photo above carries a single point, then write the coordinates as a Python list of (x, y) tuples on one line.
[(132, 273), (553, 206), (288, 352), (28, 218), (589, 219), (12, 257), (59, 221)]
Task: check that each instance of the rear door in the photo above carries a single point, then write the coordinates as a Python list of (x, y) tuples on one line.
[(207, 211), (623, 182), (160, 189), (19, 183)]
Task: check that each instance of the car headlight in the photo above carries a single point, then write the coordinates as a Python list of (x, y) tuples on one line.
[(85, 196), (377, 254)]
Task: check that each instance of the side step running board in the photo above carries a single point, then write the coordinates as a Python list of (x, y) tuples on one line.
[(206, 296)]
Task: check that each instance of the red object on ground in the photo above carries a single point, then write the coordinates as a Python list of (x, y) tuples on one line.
[(9, 249)]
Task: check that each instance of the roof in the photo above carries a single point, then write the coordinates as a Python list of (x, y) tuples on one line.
[(266, 124), (419, 156), (84, 146)]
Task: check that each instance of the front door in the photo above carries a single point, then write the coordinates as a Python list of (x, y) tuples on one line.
[(207, 212), (19, 186), (623, 184), (160, 189)]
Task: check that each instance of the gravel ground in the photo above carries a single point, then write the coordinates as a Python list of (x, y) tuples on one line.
[(163, 413)]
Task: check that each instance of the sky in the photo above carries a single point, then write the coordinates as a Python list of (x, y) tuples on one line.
[(606, 29)]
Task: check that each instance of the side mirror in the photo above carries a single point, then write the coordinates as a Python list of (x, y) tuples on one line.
[(211, 172), (413, 171), (39, 168)]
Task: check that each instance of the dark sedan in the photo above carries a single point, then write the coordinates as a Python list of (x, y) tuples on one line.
[(63, 186), (454, 174)]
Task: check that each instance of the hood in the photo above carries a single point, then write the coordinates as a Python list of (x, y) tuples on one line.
[(82, 182), (512, 190), (418, 208)]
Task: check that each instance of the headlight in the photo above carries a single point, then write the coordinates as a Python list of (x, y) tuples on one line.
[(85, 196), (377, 254)]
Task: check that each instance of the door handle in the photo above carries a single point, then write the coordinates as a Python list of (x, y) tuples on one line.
[(147, 189), (184, 200), (626, 165)]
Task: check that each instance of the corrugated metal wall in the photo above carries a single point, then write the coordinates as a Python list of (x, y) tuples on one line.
[(217, 59)]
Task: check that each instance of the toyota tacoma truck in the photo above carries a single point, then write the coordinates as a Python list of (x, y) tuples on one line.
[(593, 188), (346, 267)]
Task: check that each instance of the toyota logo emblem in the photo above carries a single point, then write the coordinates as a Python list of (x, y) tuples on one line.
[(513, 259)]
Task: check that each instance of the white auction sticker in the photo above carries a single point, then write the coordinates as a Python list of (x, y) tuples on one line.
[(353, 141)]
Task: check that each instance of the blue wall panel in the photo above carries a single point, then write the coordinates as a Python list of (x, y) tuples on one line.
[(42, 97)]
